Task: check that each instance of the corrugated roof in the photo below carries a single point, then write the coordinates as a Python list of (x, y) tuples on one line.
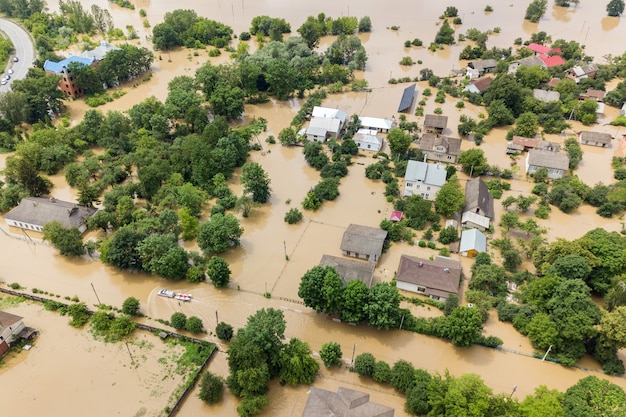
[(430, 174), (436, 121), (368, 138), (473, 239), (364, 240), (547, 159), (407, 98), (375, 122), (39, 211), (57, 67), (552, 60), (483, 65), (531, 61), (473, 217), (350, 269), (328, 123), (442, 274), (477, 195)]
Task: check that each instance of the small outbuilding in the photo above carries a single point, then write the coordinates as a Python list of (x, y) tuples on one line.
[(350, 269), (478, 86), (546, 96), (600, 139), (375, 123), (363, 242), (437, 279), (470, 219), (407, 98), (435, 123), (473, 242)]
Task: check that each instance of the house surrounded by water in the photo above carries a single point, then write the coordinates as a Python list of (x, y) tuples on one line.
[(363, 242), (439, 148), (10, 327), (343, 403), (437, 279), (32, 213), (555, 162), (325, 123), (350, 269), (424, 179)]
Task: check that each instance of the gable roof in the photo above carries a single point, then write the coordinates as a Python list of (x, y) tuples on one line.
[(477, 195), (39, 211), (344, 403), (99, 52), (552, 60), (547, 159), (396, 216), (8, 320), (599, 137), (326, 123), (531, 61), (431, 174), (473, 217), (350, 269), (441, 276), (375, 122), (473, 239), (534, 143), (482, 65), (407, 98), (553, 82), (368, 136), (428, 142), (481, 83), (326, 112), (597, 95), (546, 96), (364, 240), (57, 67), (539, 49), (436, 121)]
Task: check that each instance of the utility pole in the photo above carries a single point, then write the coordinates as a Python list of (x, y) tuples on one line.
[(132, 361), (285, 248), (353, 351), (217, 320), (94, 291), (547, 351), (401, 321), (513, 392)]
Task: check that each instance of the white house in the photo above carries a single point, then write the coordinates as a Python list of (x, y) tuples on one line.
[(10, 326), (368, 140), (375, 123), (471, 219), (32, 213), (472, 243), (322, 128), (556, 163), (424, 179)]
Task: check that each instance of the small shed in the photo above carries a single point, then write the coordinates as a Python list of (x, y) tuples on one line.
[(473, 242), (434, 123), (396, 216), (363, 242)]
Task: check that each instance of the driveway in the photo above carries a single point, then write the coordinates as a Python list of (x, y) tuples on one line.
[(24, 50)]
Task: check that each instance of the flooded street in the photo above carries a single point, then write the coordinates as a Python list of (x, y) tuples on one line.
[(260, 264)]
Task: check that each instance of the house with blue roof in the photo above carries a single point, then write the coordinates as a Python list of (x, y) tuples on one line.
[(61, 68), (424, 179)]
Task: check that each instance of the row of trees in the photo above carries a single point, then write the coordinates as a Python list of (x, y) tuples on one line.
[(185, 28)]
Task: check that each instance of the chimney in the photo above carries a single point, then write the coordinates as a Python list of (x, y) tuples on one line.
[(421, 264), (53, 200), (446, 269)]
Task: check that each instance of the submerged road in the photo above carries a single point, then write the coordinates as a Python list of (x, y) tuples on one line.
[(24, 51)]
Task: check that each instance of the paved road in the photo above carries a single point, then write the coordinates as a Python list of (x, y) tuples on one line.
[(24, 50)]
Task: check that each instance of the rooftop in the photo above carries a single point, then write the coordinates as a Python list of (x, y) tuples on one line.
[(482, 65), (429, 142), (443, 274), (350, 269), (343, 403), (436, 121), (545, 95), (99, 52), (599, 137), (407, 98), (376, 122), (39, 211), (552, 60), (473, 239), (477, 195), (8, 320), (330, 113), (481, 83), (364, 240), (57, 67), (539, 49), (548, 159), (431, 174)]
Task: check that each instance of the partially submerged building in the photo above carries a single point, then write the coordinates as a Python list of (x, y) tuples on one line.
[(556, 163), (343, 403), (32, 213), (363, 242), (368, 140), (437, 279), (424, 179), (350, 269)]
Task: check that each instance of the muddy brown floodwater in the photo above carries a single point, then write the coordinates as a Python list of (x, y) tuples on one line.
[(260, 264)]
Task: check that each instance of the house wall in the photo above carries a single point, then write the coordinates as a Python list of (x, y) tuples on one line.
[(7, 334), (368, 146), (470, 253), (552, 173), (429, 192), (592, 143), (408, 286), (356, 255), (4, 346), (378, 129), (22, 225), (440, 157), (471, 225), (316, 138)]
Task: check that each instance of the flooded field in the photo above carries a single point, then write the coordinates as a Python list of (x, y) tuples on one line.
[(260, 264)]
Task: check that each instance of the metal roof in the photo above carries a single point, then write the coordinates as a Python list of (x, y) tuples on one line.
[(473, 239), (548, 159), (375, 122), (326, 112), (57, 67), (407, 98), (431, 174), (442, 274)]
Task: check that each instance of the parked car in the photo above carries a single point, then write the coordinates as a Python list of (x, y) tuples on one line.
[(10, 71), (15, 59), (3, 82)]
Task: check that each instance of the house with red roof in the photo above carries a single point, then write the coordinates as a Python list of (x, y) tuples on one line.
[(551, 57)]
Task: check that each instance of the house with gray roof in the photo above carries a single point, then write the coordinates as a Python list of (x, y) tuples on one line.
[(439, 148), (423, 178), (435, 123), (350, 269), (529, 61), (10, 327), (343, 403), (556, 163), (476, 69), (368, 140), (32, 213), (600, 139), (580, 72), (473, 242), (478, 199), (473, 220), (437, 279), (98, 53), (325, 123), (363, 242)]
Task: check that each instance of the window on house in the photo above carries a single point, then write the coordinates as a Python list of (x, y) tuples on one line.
[(421, 289), (427, 188), (409, 184), (369, 146), (449, 157)]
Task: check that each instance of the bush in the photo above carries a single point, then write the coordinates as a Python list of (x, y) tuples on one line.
[(293, 216), (382, 372), (331, 354), (224, 331), (211, 388), (402, 376), (407, 61), (79, 314), (244, 36), (364, 364), (194, 325), (130, 306), (178, 321)]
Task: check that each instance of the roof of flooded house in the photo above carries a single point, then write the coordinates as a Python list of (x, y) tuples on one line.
[(540, 49), (57, 67), (436, 121), (473, 217), (531, 61), (429, 142), (407, 98), (396, 216), (552, 60), (343, 403), (548, 159), (368, 136), (580, 71), (477, 195), (481, 84), (327, 123), (326, 112), (546, 96), (350, 269), (482, 65), (8, 320), (364, 240), (553, 82), (473, 239), (99, 52), (597, 95), (39, 211), (431, 174), (375, 122), (534, 143), (442, 274), (598, 137)]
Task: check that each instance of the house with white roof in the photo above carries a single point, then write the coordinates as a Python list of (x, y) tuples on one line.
[(325, 123), (367, 139), (424, 179), (473, 242), (375, 123)]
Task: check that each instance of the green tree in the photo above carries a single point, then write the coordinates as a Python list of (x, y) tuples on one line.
[(544, 403), (296, 364), (227, 100), (218, 271), (69, 242), (535, 10), (615, 7), (252, 405), (383, 308), (256, 182), (355, 298), (463, 326), (417, 396), (399, 142), (572, 266), (382, 372), (161, 255), (574, 151), (593, 397), (130, 306), (445, 35), (450, 198), (542, 331), (293, 216), (466, 395), (219, 233), (364, 364), (178, 320), (188, 223), (526, 125), (473, 162), (194, 325), (211, 388), (331, 354), (224, 331), (403, 376), (321, 288)]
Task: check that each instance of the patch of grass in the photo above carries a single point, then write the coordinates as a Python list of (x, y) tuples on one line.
[(8, 302)]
